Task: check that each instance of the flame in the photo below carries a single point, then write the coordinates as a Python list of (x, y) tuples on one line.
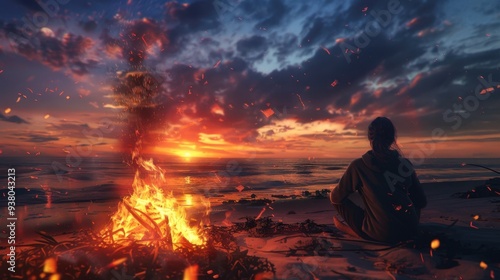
[(152, 215), (191, 273)]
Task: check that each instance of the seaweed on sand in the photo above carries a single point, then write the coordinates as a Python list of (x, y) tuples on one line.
[(85, 256)]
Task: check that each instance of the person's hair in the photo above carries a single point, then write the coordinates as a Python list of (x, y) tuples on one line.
[(382, 135)]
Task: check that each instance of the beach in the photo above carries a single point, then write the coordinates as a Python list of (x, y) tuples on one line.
[(468, 231)]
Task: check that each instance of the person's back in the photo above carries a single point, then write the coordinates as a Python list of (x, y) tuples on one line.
[(389, 187)]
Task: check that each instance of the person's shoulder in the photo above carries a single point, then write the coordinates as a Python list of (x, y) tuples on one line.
[(357, 162)]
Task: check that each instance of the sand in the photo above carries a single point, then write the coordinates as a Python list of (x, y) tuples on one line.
[(468, 236), (469, 231)]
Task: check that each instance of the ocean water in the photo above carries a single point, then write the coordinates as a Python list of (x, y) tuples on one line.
[(41, 179)]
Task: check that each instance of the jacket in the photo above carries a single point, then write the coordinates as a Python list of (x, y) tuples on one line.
[(391, 192)]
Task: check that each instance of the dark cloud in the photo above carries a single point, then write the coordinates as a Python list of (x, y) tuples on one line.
[(253, 48), (68, 50), (314, 32), (89, 25), (277, 10), (71, 129), (38, 137), (13, 119), (199, 15), (140, 36), (31, 5), (285, 45)]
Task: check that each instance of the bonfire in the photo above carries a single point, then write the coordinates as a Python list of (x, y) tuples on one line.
[(153, 216)]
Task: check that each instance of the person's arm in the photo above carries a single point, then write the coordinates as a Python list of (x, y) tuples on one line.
[(417, 194), (347, 185)]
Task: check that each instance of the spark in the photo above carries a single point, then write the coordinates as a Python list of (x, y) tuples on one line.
[(8, 110), (326, 50), (268, 112), (484, 91), (217, 64), (435, 244), (300, 99), (217, 176), (334, 83), (364, 9), (261, 212), (483, 265), (144, 40), (116, 262), (46, 116), (472, 226)]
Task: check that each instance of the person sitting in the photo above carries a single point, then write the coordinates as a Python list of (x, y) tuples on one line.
[(388, 185)]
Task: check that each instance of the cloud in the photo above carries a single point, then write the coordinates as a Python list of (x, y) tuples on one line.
[(277, 11), (67, 51), (279, 56), (13, 119), (36, 137), (69, 128), (253, 48)]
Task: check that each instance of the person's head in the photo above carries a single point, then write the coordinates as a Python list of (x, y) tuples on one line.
[(382, 136)]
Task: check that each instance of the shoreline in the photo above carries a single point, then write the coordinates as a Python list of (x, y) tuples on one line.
[(448, 218), (92, 214)]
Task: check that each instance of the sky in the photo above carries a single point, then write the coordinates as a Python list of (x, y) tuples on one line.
[(234, 78)]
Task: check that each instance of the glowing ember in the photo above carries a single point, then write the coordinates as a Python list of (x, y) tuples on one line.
[(191, 273), (151, 215), (50, 265), (435, 244)]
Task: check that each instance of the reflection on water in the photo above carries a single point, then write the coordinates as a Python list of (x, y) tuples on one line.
[(59, 201), (103, 179)]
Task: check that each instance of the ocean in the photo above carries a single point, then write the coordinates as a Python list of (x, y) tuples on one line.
[(101, 179)]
